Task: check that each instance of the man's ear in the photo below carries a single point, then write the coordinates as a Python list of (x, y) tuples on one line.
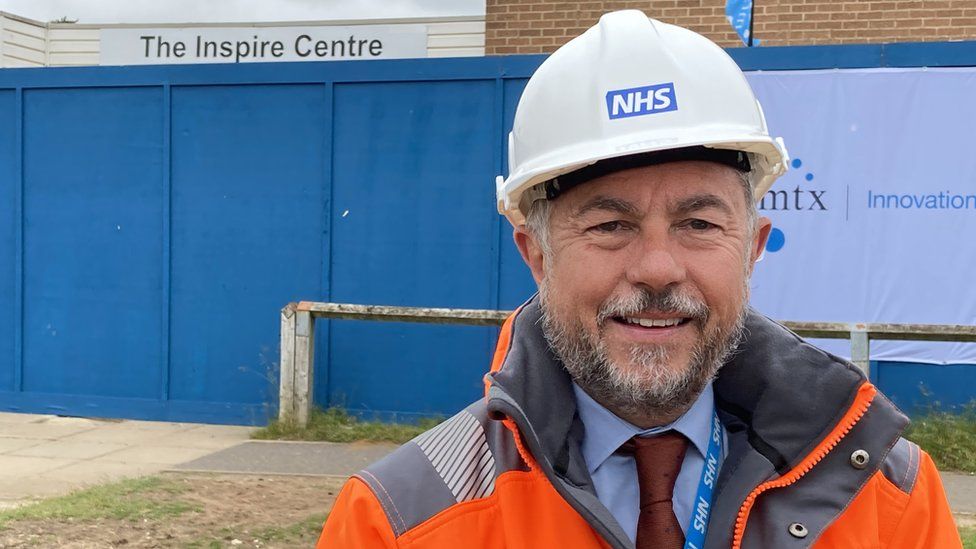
[(531, 252), (758, 245)]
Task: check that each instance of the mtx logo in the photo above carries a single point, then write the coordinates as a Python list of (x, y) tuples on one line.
[(795, 199), (640, 101), (798, 198)]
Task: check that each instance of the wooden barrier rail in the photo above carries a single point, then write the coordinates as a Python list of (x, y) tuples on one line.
[(298, 338)]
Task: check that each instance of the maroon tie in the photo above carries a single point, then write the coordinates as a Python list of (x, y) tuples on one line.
[(659, 460)]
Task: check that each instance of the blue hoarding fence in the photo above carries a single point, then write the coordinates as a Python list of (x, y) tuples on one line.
[(153, 219)]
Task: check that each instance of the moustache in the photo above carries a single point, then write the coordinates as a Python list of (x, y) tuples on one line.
[(669, 302)]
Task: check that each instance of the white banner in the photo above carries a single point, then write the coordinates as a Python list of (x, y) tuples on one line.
[(165, 46), (876, 218)]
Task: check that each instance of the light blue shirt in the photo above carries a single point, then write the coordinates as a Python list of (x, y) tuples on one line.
[(615, 475)]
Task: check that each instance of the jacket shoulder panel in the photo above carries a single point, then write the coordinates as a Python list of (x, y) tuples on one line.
[(927, 520), (407, 487), (458, 451), (900, 467), (454, 462)]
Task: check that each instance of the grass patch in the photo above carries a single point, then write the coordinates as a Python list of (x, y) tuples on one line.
[(125, 500), (968, 535), (335, 425), (950, 438)]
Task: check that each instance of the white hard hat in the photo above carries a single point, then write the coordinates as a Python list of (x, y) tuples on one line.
[(627, 86)]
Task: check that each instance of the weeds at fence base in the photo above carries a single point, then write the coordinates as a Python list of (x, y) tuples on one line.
[(336, 425), (950, 438)]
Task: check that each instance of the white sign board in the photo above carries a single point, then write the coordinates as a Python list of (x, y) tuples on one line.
[(165, 46), (876, 218)]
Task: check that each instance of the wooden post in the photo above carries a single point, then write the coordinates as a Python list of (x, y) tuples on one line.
[(861, 348), (286, 383), (304, 357)]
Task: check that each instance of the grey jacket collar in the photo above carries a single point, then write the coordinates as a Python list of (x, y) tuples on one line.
[(778, 397)]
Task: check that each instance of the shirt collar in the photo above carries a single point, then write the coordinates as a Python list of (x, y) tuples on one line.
[(604, 432)]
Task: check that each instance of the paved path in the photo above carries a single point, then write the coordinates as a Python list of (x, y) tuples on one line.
[(291, 458), (42, 456), (961, 490)]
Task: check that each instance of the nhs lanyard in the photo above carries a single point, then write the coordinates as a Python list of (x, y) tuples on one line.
[(702, 509)]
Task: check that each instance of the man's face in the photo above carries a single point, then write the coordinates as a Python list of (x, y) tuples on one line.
[(645, 285)]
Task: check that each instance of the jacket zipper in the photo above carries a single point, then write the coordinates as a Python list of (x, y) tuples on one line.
[(860, 407)]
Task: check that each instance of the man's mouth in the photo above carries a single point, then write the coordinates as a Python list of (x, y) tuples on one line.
[(651, 322)]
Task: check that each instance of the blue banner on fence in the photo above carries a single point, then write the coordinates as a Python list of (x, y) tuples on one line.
[(874, 220)]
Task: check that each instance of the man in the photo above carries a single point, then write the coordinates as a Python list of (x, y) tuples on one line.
[(637, 401)]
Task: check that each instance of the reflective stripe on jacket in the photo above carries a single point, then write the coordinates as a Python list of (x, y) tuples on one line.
[(815, 459)]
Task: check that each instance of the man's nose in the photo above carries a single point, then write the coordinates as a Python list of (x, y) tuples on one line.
[(655, 263)]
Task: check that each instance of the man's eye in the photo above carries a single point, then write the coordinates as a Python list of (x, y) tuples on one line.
[(608, 227), (700, 225)]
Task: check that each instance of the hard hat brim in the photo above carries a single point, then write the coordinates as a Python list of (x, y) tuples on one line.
[(768, 159)]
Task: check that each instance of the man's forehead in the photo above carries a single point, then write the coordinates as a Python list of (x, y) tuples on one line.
[(671, 185)]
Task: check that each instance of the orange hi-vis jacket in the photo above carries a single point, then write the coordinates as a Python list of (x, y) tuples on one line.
[(815, 458)]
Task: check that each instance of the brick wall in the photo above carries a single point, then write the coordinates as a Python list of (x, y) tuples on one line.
[(541, 26)]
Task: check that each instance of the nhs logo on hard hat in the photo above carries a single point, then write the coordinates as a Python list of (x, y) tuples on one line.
[(640, 101)]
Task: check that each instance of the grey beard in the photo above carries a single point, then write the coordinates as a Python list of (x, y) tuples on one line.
[(649, 387)]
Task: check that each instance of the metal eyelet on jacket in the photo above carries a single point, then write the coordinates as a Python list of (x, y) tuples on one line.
[(859, 459), (798, 530)]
